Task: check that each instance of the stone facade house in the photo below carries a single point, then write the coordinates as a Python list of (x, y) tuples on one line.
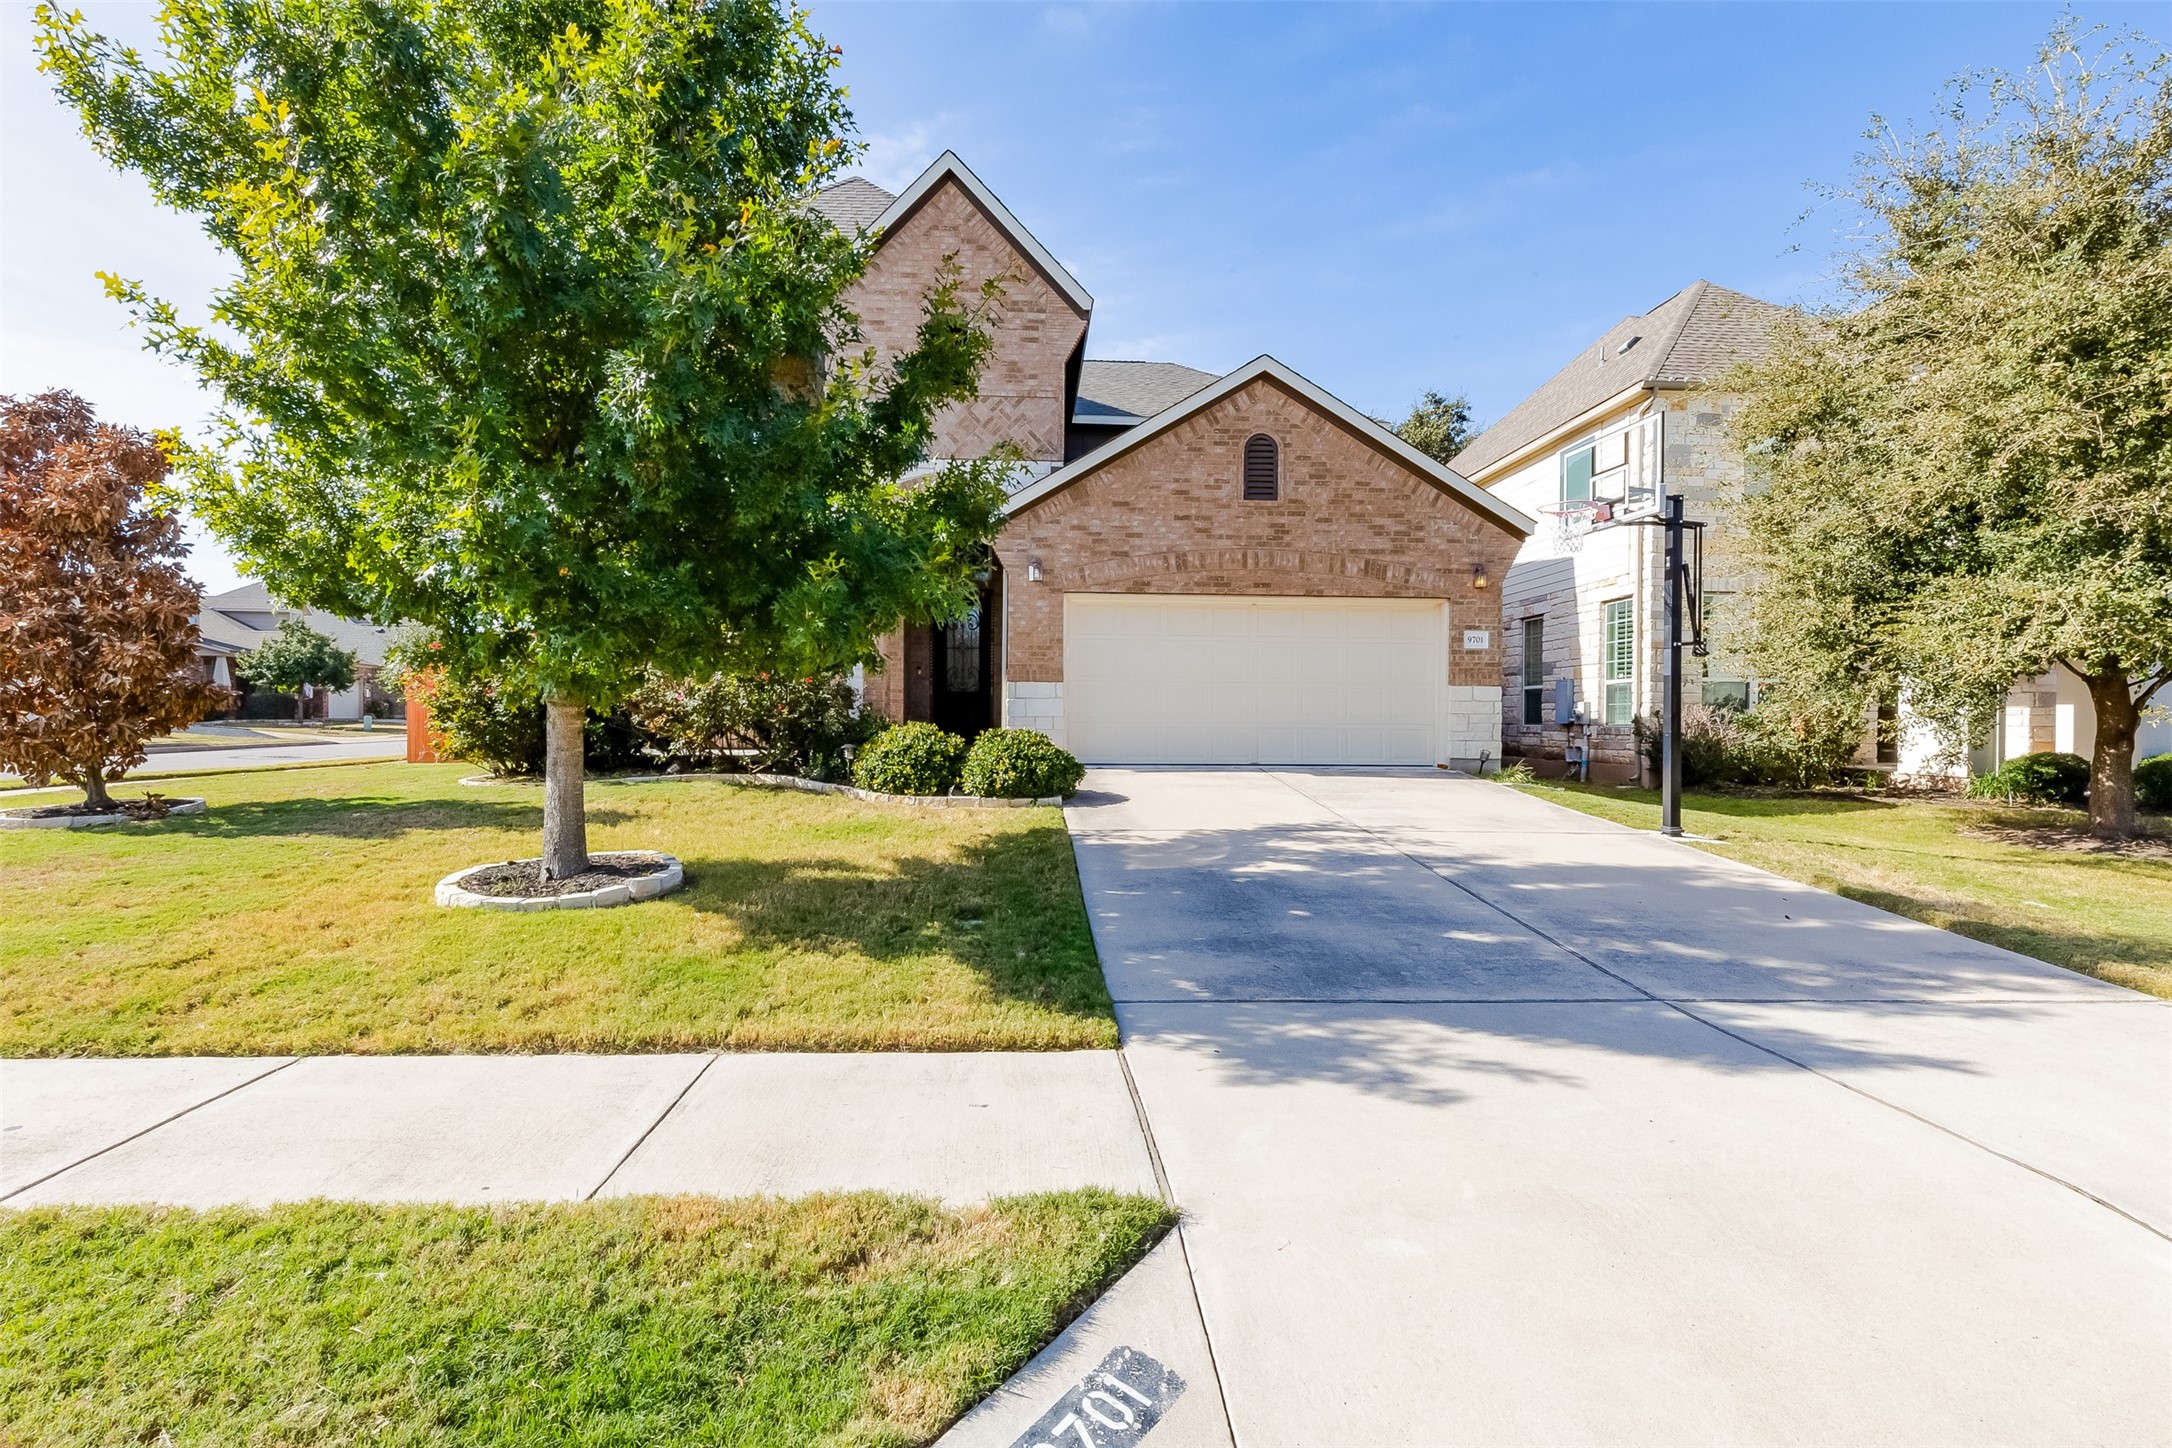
[(1194, 569), (1631, 417)]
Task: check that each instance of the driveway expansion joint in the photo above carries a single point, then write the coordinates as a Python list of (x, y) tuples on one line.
[(1680, 1006)]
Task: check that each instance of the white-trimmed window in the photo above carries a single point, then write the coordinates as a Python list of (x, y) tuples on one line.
[(1726, 678), (1534, 670), (1621, 661), (1576, 470)]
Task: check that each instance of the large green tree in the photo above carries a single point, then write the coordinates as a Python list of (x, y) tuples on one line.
[(533, 338), (1962, 471)]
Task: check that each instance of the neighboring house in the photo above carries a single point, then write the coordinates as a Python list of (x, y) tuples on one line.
[(1631, 417), (1194, 569), (1619, 422), (232, 623)]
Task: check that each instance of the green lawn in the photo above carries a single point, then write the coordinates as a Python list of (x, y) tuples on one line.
[(858, 1319), (2104, 915), (296, 917)]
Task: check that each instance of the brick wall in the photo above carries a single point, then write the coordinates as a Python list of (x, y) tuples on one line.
[(1169, 517), (1036, 329)]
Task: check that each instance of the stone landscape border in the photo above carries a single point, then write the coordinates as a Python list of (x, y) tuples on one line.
[(451, 894), (806, 786), (11, 821)]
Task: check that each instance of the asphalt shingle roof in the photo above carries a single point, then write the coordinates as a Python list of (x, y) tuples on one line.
[(853, 204), (1692, 336), (1120, 390), (217, 624)]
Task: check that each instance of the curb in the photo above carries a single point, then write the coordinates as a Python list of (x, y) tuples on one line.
[(450, 894), (84, 822), (806, 786)]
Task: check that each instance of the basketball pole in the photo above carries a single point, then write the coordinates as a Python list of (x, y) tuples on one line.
[(1670, 767)]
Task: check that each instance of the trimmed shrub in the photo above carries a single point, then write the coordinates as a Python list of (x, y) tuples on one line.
[(2045, 778), (910, 759), (1020, 764), (2153, 784), (766, 723)]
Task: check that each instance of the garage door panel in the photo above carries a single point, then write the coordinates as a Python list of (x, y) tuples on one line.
[(1223, 680)]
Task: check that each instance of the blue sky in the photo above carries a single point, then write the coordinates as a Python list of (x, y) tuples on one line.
[(1389, 198)]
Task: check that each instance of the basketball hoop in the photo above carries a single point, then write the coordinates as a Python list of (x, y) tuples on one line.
[(1574, 518)]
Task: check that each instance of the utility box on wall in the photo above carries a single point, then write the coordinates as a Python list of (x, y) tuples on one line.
[(1564, 700)]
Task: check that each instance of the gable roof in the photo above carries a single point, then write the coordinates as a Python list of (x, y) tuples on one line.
[(847, 203), (1119, 394), (853, 204), (1447, 479), (1692, 336), (218, 626)]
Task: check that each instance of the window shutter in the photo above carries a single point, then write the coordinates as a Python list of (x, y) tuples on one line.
[(1262, 469)]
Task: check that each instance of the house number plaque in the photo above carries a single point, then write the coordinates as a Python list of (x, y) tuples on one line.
[(1113, 1406), (1478, 638)]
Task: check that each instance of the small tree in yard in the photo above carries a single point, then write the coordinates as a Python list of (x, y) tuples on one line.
[(1962, 478), (534, 340), (298, 658), (97, 651)]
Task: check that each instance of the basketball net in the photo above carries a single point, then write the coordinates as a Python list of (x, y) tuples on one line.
[(1571, 522)]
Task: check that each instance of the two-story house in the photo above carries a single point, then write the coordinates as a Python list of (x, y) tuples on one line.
[(1194, 569), (1631, 417), (1622, 421)]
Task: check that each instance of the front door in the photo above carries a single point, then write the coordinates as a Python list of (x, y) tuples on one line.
[(963, 689)]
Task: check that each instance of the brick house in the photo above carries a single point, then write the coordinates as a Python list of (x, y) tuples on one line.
[(1194, 569), (1631, 417)]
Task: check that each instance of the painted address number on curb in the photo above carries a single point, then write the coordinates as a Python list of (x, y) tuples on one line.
[(1112, 1408)]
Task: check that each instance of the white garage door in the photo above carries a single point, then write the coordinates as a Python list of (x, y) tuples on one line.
[(1161, 679)]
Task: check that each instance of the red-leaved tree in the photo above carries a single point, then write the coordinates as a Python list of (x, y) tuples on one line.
[(97, 653)]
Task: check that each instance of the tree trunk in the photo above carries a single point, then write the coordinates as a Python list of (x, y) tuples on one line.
[(301, 706), (565, 825), (2111, 769), (94, 788)]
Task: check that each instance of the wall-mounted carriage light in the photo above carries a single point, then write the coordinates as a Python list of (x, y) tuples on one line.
[(1033, 570), (1479, 577)]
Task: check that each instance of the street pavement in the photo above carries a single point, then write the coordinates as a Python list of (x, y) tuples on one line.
[(1494, 1123)]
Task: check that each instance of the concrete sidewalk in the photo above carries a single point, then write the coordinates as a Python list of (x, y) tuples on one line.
[(204, 1132), (1495, 1123)]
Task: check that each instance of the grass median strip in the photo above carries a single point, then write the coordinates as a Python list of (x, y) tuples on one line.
[(860, 1319), (296, 917), (1949, 863)]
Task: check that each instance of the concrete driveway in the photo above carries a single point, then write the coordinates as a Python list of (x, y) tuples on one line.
[(1495, 1123)]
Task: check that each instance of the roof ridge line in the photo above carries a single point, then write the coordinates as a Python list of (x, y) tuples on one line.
[(1665, 354)]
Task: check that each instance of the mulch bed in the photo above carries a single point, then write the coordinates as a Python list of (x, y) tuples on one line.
[(523, 879), (2073, 841), (150, 807)]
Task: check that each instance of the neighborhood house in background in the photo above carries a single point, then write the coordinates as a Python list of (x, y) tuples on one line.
[(1195, 570), (232, 623), (1629, 418)]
